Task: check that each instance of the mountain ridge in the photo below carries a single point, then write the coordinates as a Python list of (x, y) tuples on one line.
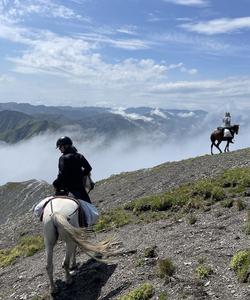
[(95, 121), (16, 126)]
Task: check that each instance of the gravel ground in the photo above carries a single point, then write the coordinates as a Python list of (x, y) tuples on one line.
[(214, 238)]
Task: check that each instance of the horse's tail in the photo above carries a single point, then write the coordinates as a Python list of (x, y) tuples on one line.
[(79, 236)]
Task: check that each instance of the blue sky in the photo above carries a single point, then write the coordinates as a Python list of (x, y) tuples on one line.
[(192, 54)]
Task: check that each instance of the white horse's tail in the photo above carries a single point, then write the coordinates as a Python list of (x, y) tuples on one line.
[(79, 235)]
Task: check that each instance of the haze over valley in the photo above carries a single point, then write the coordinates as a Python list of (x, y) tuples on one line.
[(113, 140)]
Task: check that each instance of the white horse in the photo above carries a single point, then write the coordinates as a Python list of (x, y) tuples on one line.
[(60, 219)]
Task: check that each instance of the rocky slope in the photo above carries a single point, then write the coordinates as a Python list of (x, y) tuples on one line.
[(213, 239)]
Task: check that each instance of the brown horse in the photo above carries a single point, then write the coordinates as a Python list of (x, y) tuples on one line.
[(217, 135)]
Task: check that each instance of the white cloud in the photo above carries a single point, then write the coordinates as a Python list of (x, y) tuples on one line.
[(158, 113), (185, 85), (189, 2), (182, 68), (232, 85), (189, 71), (186, 114), (129, 44), (131, 116), (14, 33), (5, 78), (71, 58), (196, 43), (218, 26), (128, 29), (207, 94), (16, 10), (101, 39)]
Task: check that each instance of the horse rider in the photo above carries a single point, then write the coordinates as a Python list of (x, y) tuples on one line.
[(72, 166), (226, 125), (227, 120)]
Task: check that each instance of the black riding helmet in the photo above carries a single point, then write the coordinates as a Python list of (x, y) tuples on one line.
[(64, 140)]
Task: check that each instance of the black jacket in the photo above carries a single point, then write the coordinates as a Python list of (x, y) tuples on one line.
[(72, 167)]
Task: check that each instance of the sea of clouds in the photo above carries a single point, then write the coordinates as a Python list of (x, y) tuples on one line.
[(37, 158)]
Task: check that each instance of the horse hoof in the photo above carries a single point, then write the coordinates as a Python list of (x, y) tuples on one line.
[(69, 281), (53, 291), (74, 267), (72, 272)]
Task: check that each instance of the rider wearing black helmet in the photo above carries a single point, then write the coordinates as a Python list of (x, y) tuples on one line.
[(64, 140), (73, 166)]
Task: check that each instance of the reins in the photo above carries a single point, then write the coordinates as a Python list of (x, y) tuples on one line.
[(75, 211), (75, 200), (51, 207)]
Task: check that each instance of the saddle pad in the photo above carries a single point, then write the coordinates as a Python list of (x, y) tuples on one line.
[(227, 133)]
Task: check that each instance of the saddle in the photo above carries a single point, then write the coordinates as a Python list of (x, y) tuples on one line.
[(226, 131), (81, 215)]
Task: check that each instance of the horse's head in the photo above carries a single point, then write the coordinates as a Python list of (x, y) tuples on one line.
[(236, 128)]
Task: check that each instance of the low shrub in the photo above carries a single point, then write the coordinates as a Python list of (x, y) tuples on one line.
[(217, 193), (144, 292), (240, 204), (191, 219), (150, 252), (240, 263), (247, 228), (165, 267), (228, 203), (139, 262), (247, 224), (163, 296), (203, 271), (203, 188)]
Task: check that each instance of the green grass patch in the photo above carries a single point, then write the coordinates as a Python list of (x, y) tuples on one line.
[(240, 204), (184, 199), (247, 228), (150, 252), (170, 200), (143, 292), (163, 296), (191, 219), (27, 246), (235, 180), (115, 218), (228, 203), (247, 224), (203, 271), (240, 263), (165, 268)]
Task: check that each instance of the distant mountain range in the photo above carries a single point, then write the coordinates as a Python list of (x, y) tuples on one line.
[(20, 121)]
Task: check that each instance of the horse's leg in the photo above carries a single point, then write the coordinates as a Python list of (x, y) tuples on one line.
[(73, 259), (217, 146), (49, 266), (227, 147), (212, 148), (70, 249), (50, 238), (75, 223)]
